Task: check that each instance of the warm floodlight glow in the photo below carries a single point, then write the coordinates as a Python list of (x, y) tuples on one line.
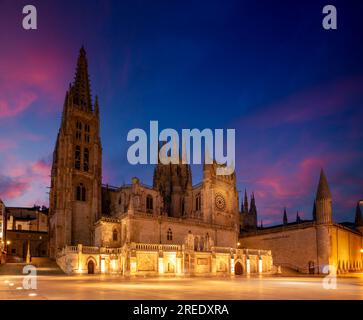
[(161, 265), (260, 266), (113, 265), (361, 250), (248, 266), (103, 266)]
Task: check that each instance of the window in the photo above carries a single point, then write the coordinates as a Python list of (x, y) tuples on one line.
[(81, 192), (86, 160), (169, 235), (78, 130), (87, 133), (182, 207), (149, 203), (114, 235), (77, 158), (198, 203)]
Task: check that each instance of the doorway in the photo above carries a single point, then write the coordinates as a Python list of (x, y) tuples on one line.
[(91, 267), (238, 269)]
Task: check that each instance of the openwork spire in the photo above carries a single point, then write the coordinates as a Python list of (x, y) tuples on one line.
[(284, 219), (323, 188), (245, 203), (81, 87)]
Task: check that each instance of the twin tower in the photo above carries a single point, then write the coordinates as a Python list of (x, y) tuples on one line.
[(77, 166)]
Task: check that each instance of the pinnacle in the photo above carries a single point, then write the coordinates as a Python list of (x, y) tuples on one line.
[(323, 191)]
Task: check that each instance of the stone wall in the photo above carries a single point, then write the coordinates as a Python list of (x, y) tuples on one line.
[(156, 259), (310, 248), (290, 247), (155, 230), (345, 249)]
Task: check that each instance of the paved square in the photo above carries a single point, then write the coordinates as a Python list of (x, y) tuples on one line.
[(117, 287)]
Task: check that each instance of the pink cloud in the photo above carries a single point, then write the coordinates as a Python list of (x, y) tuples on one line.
[(12, 188), (41, 168), (11, 106), (27, 75)]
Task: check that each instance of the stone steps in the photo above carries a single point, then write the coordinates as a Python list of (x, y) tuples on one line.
[(45, 266)]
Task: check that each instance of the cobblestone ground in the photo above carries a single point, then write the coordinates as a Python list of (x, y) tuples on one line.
[(117, 287)]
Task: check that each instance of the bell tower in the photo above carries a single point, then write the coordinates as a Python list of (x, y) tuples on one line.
[(75, 194)]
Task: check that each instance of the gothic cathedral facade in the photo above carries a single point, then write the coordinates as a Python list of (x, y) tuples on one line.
[(169, 227)]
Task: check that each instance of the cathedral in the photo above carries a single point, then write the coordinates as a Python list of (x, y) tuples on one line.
[(172, 227)]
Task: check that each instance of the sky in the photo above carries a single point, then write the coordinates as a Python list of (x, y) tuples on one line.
[(292, 90)]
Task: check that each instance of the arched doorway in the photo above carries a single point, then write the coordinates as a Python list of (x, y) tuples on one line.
[(238, 269), (91, 267)]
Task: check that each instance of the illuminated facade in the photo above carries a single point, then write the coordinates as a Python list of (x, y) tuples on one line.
[(171, 227)]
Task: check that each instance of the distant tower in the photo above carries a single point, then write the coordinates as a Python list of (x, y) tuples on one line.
[(253, 209), (75, 194), (358, 217), (323, 218), (323, 202), (298, 219), (174, 182), (248, 215), (284, 219), (245, 203)]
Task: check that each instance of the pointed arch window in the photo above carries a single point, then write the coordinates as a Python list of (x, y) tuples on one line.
[(114, 235), (77, 158), (149, 203), (198, 202), (169, 234), (183, 207), (78, 130), (81, 192), (86, 159), (87, 131)]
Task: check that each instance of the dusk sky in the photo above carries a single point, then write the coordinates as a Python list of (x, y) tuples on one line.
[(292, 90)]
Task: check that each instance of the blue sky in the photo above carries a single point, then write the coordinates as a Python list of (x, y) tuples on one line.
[(292, 90)]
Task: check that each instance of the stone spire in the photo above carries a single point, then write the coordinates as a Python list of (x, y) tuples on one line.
[(314, 211), (253, 209), (323, 210), (358, 216), (284, 219), (81, 91), (298, 219), (323, 191), (245, 203)]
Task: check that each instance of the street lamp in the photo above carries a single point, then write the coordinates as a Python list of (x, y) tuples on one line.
[(7, 244)]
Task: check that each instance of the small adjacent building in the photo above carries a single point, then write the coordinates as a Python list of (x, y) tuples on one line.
[(26, 229)]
